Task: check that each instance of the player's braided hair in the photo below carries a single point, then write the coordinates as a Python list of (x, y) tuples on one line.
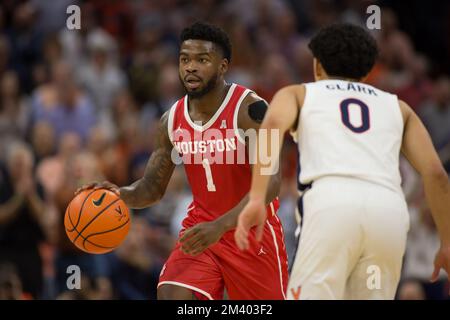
[(208, 32), (345, 50)]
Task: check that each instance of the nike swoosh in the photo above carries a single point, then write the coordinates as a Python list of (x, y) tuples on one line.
[(98, 202)]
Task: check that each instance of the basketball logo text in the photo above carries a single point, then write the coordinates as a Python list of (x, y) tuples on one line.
[(296, 293), (119, 214)]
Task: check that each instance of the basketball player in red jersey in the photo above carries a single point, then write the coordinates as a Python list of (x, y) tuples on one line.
[(204, 130)]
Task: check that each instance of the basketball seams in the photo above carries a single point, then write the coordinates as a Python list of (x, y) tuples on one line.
[(79, 234), (82, 206), (94, 218), (106, 231), (70, 218), (81, 238)]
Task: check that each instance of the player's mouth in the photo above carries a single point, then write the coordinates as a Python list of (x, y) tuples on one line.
[(192, 82)]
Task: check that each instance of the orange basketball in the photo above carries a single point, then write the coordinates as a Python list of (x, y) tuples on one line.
[(97, 221)]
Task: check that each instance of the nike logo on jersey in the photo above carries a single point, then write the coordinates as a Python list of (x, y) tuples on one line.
[(98, 202)]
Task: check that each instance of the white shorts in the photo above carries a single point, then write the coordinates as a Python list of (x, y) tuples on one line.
[(352, 241)]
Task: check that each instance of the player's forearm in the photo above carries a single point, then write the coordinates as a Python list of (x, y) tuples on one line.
[(437, 191), (273, 189), (229, 220), (140, 194), (265, 172)]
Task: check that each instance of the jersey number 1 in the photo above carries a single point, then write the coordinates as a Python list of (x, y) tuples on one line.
[(365, 117), (209, 179)]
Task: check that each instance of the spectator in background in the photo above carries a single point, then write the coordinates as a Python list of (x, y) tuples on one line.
[(52, 52), (74, 44), (274, 74), (25, 43), (127, 142), (422, 242), (21, 218), (411, 289), (169, 87), (51, 173), (145, 66), (10, 283), (395, 55), (51, 16), (42, 138), (125, 57), (63, 104), (435, 113), (134, 270), (101, 77), (303, 63), (4, 54), (14, 111), (417, 86), (78, 170)]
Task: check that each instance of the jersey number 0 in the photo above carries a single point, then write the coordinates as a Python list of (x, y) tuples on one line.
[(365, 117)]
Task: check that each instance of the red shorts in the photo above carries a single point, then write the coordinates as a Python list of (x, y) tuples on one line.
[(259, 273)]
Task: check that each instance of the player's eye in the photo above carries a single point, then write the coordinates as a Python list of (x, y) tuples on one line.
[(184, 60), (203, 60)]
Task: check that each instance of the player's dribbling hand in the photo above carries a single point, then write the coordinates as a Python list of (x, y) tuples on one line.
[(198, 238), (99, 185), (254, 214), (441, 261)]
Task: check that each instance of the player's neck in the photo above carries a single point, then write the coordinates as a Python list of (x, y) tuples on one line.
[(341, 78), (210, 102)]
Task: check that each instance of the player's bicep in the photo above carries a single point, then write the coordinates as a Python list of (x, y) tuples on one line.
[(283, 110), (252, 112), (160, 166), (417, 146), (250, 117)]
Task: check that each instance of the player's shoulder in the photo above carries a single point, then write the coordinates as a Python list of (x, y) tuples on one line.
[(405, 109), (297, 91), (251, 111)]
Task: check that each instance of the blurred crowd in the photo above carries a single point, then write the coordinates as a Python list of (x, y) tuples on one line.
[(80, 105)]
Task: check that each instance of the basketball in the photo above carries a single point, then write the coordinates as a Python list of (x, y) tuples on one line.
[(97, 221)]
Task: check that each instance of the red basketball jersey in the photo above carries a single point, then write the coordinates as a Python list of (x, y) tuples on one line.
[(214, 157)]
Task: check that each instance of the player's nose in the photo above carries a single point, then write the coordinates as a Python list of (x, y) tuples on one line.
[(191, 67)]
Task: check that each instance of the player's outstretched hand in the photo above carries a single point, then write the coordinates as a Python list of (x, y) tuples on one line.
[(99, 185), (254, 214), (201, 236), (441, 261)]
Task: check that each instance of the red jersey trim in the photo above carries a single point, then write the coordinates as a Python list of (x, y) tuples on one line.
[(170, 121), (214, 117), (238, 132)]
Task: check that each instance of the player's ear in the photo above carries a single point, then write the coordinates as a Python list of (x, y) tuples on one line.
[(319, 72), (223, 66)]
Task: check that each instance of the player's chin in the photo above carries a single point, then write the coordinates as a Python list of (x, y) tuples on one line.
[(193, 90)]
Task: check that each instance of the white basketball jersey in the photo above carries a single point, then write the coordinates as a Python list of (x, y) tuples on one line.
[(349, 129)]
